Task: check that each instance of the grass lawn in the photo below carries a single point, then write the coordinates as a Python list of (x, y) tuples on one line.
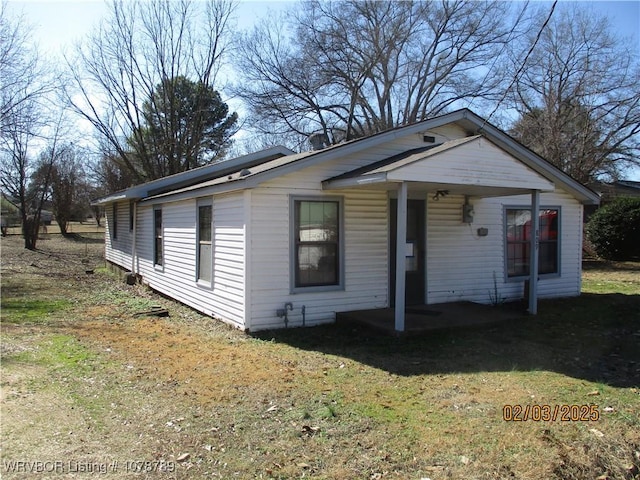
[(89, 383)]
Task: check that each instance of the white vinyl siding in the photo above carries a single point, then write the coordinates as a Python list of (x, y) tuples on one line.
[(365, 262), (229, 257), (475, 163), (118, 250), (223, 298), (462, 265)]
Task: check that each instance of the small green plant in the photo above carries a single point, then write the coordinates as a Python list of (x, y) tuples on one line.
[(494, 295)]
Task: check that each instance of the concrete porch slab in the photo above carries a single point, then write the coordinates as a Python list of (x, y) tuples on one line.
[(427, 318)]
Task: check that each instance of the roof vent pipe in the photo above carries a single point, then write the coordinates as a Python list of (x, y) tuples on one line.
[(318, 141)]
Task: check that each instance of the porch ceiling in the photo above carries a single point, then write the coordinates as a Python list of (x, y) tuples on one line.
[(469, 166)]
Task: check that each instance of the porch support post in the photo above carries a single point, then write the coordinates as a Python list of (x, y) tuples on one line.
[(534, 244), (401, 240)]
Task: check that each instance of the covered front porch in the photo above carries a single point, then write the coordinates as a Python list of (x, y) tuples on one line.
[(470, 167), (423, 319)]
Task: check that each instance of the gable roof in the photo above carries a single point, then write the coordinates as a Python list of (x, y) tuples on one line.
[(491, 173), (237, 174), (401, 159)]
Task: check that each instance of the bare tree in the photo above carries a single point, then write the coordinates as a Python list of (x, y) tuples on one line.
[(579, 97), (141, 45), (26, 122), (17, 63), (350, 68), (23, 76), (25, 177), (69, 187)]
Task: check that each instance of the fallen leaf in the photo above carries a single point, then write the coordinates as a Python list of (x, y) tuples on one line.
[(593, 393), (183, 457), (608, 409), (596, 432)]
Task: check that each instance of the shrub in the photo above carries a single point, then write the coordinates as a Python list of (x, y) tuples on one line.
[(614, 230)]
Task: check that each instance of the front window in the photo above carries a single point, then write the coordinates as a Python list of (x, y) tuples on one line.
[(114, 222), (204, 242), (518, 235), (316, 241), (157, 228)]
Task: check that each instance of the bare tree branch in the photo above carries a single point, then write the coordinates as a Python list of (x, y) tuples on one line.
[(141, 46), (350, 68), (579, 98)]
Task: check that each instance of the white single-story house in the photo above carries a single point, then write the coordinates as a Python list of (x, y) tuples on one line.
[(433, 212)]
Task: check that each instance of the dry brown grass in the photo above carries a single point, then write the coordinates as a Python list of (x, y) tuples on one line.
[(88, 380)]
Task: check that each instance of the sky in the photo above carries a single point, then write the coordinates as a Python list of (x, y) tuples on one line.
[(58, 24)]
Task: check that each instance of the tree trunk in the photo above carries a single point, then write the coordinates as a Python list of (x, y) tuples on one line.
[(30, 232), (63, 224)]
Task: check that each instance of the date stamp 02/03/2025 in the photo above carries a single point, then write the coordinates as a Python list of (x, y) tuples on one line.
[(551, 413)]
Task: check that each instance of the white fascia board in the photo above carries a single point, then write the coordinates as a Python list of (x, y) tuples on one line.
[(130, 194), (541, 183), (231, 186), (358, 181)]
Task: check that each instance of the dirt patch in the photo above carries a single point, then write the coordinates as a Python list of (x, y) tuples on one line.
[(188, 360)]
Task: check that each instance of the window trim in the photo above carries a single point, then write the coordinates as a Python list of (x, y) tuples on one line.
[(157, 265), (293, 250), (203, 202), (114, 216), (520, 278)]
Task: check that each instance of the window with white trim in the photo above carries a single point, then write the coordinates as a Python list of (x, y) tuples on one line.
[(158, 258), (204, 236), (317, 251), (517, 241)]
